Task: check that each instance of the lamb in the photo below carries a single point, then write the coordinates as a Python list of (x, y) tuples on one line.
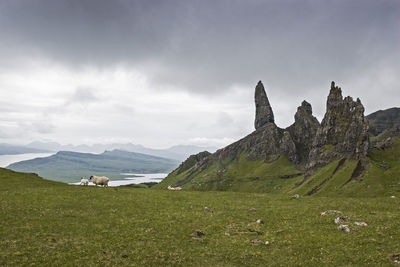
[(99, 180), (84, 181), (174, 188)]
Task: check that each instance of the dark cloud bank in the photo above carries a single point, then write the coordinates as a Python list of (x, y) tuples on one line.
[(206, 47)]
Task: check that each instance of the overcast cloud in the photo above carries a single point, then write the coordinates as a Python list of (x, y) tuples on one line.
[(160, 73)]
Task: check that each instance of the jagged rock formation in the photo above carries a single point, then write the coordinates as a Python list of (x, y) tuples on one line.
[(306, 145), (267, 142), (303, 131), (343, 132), (264, 112)]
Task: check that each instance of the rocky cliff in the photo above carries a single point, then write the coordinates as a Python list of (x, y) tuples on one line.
[(343, 132), (303, 147)]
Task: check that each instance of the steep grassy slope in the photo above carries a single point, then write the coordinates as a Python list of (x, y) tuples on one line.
[(237, 175), (48, 224), (381, 177), (70, 166)]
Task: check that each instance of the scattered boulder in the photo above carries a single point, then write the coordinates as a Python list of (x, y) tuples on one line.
[(341, 219), (296, 196), (330, 212), (361, 223), (198, 234), (396, 258), (259, 242), (259, 221), (253, 209), (208, 209), (392, 197), (148, 230), (344, 227)]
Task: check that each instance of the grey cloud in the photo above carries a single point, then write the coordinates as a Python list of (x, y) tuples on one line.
[(83, 95), (41, 125), (206, 47)]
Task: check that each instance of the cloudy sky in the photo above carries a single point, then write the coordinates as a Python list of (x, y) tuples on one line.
[(168, 72)]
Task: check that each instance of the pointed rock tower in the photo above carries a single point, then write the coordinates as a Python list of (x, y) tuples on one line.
[(343, 132), (264, 112)]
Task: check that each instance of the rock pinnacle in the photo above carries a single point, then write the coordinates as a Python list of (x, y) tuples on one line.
[(264, 112)]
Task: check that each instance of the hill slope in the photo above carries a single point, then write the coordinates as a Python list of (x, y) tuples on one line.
[(70, 166), (383, 120), (46, 223)]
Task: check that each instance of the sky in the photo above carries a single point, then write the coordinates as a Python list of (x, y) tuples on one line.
[(168, 72)]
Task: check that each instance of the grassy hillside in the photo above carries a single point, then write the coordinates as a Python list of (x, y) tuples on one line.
[(70, 166), (378, 177), (48, 223)]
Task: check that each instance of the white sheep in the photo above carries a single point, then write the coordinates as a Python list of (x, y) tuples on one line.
[(84, 181), (99, 180), (174, 188)]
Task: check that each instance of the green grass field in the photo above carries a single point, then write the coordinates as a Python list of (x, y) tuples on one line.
[(47, 223)]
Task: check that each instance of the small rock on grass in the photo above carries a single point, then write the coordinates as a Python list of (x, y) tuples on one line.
[(392, 197), (344, 227), (330, 212), (253, 209), (208, 209), (341, 219), (361, 223), (396, 258), (198, 234), (296, 196), (259, 242), (260, 221)]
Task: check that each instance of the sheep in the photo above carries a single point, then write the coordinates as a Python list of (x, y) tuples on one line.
[(174, 188), (99, 180), (84, 181)]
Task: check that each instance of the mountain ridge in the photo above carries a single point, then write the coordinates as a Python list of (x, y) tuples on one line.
[(291, 157)]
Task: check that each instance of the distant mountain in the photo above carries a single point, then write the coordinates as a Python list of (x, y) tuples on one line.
[(383, 120), (68, 166), (6, 149), (179, 152)]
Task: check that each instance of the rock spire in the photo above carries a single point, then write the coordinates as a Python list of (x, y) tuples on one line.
[(343, 132), (264, 112)]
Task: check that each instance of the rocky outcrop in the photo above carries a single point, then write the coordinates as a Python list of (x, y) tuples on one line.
[(268, 142), (343, 132), (264, 112), (303, 131), (192, 161)]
